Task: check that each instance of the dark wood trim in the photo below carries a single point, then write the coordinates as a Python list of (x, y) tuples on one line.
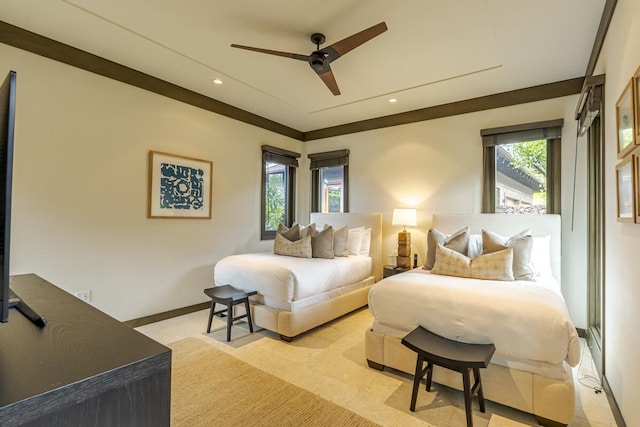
[(615, 409), (607, 15), (345, 189), (489, 179), (315, 184), (554, 175), (43, 46), (134, 323), (504, 99)]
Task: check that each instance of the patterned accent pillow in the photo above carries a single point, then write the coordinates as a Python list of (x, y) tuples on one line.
[(494, 266), (522, 243), (458, 241), (340, 241), (300, 248), (365, 246), (292, 234)]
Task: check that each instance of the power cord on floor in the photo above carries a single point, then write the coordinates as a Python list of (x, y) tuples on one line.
[(589, 381)]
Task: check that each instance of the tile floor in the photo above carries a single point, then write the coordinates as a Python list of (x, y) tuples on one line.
[(329, 361)]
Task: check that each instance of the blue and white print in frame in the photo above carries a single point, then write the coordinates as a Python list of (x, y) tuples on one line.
[(179, 186)]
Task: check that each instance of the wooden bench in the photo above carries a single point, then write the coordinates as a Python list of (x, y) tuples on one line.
[(229, 296), (454, 355)]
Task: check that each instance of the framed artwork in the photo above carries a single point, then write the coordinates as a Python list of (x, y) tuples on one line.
[(179, 186), (636, 184), (624, 120), (625, 189), (636, 103)]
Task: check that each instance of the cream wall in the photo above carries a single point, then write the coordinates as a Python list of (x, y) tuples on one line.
[(79, 214), (619, 61), (436, 166), (81, 174), (80, 185), (80, 188)]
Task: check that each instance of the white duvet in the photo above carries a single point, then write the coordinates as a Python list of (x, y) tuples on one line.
[(287, 279), (525, 320)]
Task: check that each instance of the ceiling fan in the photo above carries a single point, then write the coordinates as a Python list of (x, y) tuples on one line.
[(320, 59)]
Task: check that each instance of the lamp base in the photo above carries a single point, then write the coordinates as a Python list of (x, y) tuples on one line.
[(404, 249)]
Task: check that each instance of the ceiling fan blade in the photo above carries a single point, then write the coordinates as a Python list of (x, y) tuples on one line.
[(274, 52), (352, 42), (330, 81)]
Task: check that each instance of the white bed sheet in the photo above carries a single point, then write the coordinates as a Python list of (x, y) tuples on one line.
[(527, 321), (286, 279)]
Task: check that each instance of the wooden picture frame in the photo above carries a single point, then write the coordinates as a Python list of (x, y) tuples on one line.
[(625, 121), (636, 184), (179, 186), (625, 190), (636, 104)]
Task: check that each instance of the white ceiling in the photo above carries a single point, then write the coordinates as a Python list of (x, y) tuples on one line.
[(434, 52)]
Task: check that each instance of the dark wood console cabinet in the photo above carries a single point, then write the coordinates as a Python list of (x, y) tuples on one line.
[(83, 368)]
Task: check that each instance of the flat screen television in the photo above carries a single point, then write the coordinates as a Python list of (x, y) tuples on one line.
[(7, 125)]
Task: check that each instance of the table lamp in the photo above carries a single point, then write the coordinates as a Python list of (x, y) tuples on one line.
[(404, 217)]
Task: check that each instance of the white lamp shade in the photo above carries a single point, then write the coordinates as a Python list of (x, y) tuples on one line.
[(404, 217)]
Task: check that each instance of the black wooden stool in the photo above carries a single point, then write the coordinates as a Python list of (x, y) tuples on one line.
[(454, 355), (229, 296)]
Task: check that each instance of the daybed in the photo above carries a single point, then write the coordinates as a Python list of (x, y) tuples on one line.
[(528, 321), (298, 294)]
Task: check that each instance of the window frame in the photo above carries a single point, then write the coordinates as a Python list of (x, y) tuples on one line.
[(329, 159), (551, 131), (290, 160)]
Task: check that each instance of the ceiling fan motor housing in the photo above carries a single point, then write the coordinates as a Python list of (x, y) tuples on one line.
[(318, 39)]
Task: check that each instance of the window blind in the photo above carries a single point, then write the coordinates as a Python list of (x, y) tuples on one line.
[(551, 129), (280, 155), (328, 159)]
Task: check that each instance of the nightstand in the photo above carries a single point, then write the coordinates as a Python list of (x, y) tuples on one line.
[(390, 270)]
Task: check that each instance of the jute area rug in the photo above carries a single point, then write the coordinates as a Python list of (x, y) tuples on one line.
[(210, 387)]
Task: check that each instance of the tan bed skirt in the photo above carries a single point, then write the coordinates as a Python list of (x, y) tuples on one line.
[(289, 324), (548, 399)]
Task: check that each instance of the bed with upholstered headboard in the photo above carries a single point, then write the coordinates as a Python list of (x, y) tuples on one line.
[(516, 304), (296, 293)]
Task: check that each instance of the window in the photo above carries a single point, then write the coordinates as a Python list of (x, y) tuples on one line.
[(278, 189), (522, 168), (330, 181), (591, 122)]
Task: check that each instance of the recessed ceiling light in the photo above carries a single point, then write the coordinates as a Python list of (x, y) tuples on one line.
[(392, 100), (217, 81)]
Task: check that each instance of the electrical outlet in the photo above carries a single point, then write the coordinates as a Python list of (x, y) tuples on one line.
[(84, 295)]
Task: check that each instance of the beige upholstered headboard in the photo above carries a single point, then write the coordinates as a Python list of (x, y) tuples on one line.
[(507, 225), (356, 219)]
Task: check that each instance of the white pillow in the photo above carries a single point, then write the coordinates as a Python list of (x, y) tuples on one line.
[(475, 246), (365, 246), (354, 240), (541, 257)]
